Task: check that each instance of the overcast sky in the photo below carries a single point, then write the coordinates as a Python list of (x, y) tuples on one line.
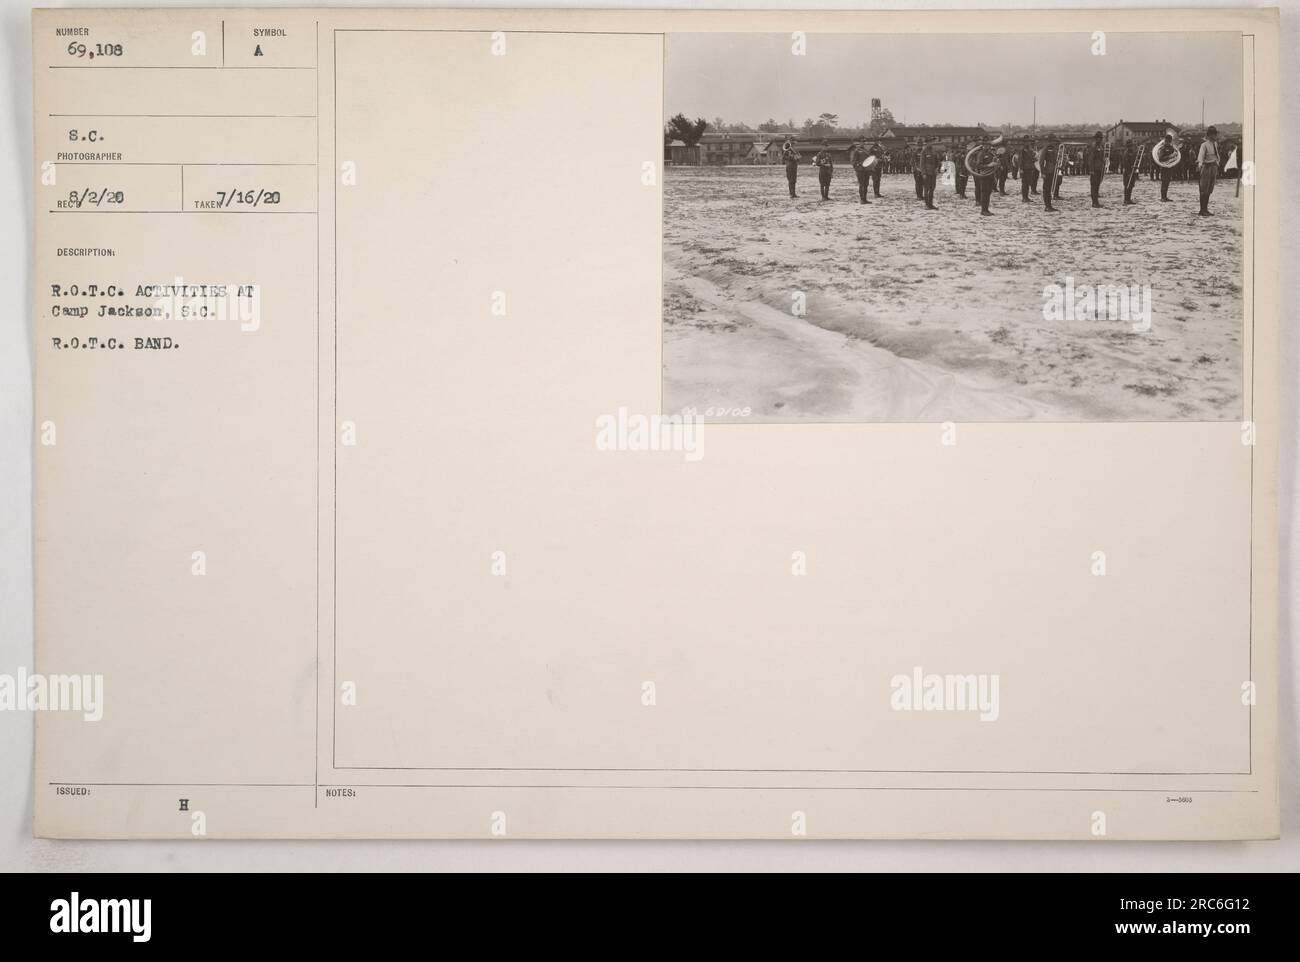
[(988, 79)]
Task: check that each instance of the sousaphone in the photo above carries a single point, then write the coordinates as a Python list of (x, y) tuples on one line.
[(982, 159), (1175, 158)]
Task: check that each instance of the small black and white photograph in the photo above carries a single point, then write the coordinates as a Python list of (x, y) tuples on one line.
[(930, 227)]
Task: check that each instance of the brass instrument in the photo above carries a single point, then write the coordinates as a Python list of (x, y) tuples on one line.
[(986, 164), (1062, 158), (1132, 175), (1175, 159)]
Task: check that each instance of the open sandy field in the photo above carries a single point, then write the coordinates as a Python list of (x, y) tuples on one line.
[(939, 315)]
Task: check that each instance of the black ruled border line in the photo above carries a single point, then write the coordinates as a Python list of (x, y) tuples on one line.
[(196, 117), (317, 786), (698, 788), (334, 423), (334, 600), (128, 66), (315, 783), (1254, 296), (315, 744)]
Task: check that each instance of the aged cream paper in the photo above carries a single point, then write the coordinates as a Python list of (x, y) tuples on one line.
[(338, 312)]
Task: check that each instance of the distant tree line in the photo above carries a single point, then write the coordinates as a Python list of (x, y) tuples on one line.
[(680, 127), (689, 132)]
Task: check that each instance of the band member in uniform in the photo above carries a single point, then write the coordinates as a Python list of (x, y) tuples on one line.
[(930, 163), (1207, 164), (857, 154), (1004, 165), (825, 169), (1047, 165), (1187, 169), (1096, 161), (1130, 159), (873, 172), (958, 155), (985, 160), (791, 158), (1165, 152), (917, 175), (1028, 172)]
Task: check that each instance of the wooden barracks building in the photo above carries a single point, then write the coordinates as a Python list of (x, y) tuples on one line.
[(725, 149)]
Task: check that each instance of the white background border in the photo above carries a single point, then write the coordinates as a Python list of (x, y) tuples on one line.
[(19, 851)]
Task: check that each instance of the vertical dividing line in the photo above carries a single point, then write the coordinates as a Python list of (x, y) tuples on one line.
[(334, 413), (1254, 297), (663, 202), (315, 746)]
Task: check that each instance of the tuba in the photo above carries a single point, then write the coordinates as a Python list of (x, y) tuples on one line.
[(1175, 159), (982, 159)]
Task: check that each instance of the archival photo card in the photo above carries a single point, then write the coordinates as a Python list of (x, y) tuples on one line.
[(848, 425)]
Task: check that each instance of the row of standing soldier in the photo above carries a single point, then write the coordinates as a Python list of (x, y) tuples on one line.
[(1028, 163)]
